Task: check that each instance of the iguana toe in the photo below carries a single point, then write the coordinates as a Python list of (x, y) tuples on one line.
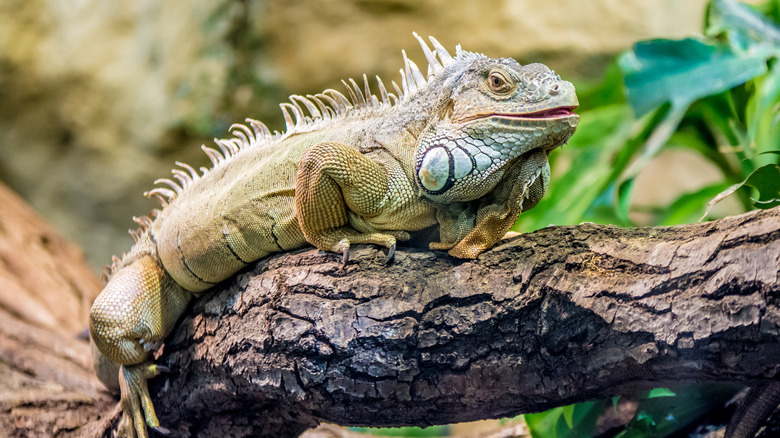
[(390, 254), (137, 407)]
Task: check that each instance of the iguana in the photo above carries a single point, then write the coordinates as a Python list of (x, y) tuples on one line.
[(464, 146)]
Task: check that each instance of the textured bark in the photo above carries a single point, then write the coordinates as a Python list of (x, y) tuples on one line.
[(47, 386), (562, 315)]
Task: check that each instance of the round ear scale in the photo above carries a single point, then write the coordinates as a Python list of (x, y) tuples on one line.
[(436, 170)]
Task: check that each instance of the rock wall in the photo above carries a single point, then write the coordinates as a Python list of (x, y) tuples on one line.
[(98, 99)]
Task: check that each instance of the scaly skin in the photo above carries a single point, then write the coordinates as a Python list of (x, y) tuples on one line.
[(466, 149)]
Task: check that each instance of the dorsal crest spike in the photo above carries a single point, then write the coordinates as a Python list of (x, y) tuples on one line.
[(188, 168), (288, 120), (170, 183), (370, 99), (243, 132), (404, 85), (361, 99), (444, 55), (228, 147), (433, 64), (182, 176), (300, 117), (399, 92), (214, 156), (382, 91), (144, 221), (315, 113), (261, 131), (162, 194), (409, 77), (326, 111), (242, 137), (352, 98), (419, 79), (297, 112), (340, 98), (337, 105)]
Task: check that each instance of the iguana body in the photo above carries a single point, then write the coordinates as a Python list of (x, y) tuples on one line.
[(466, 149)]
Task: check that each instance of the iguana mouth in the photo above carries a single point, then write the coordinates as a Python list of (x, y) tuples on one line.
[(547, 114), (552, 113)]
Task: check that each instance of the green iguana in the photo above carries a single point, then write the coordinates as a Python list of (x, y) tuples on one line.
[(464, 147)]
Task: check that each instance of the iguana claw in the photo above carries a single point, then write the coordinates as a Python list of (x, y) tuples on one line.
[(390, 254), (162, 430), (344, 257)]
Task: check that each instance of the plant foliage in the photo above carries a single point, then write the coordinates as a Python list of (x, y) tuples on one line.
[(716, 96)]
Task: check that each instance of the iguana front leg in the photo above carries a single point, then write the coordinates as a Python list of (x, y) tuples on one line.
[(336, 188), (520, 189), (137, 309)]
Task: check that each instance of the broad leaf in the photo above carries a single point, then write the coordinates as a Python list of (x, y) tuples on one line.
[(743, 24), (577, 420), (679, 72)]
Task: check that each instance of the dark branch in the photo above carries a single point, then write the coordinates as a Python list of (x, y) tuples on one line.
[(562, 315)]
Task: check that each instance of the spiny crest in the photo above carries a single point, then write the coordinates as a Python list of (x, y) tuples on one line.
[(309, 113)]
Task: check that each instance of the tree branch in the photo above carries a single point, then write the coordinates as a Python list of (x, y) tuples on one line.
[(562, 315)]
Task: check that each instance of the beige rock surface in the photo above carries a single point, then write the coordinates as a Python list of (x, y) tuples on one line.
[(97, 99)]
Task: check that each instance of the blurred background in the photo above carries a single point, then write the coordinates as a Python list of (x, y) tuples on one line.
[(98, 99)]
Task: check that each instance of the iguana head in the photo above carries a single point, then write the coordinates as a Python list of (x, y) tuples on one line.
[(491, 114)]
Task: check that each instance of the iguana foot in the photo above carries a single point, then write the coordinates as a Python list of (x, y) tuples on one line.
[(136, 403), (342, 245)]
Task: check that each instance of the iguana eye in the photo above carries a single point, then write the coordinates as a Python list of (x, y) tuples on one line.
[(498, 83)]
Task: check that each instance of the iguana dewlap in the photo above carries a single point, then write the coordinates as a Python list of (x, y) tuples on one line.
[(464, 147)]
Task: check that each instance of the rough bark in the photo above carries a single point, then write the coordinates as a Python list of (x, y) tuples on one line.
[(47, 387), (562, 315)]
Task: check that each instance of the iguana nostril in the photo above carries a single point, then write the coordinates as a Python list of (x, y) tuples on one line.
[(553, 89)]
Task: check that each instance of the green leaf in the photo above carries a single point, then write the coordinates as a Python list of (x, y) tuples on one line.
[(432, 431), (661, 392), (742, 24), (663, 416), (766, 182), (544, 424), (625, 189), (680, 72), (573, 421), (568, 415), (762, 113), (688, 207)]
